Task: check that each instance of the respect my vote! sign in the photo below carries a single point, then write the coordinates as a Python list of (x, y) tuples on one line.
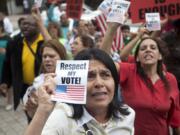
[(71, 81)]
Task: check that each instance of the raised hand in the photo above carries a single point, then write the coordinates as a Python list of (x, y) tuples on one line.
[(142, 30), (44, 93), (32, 104), (3, 89), (165, 20), (36, 14)]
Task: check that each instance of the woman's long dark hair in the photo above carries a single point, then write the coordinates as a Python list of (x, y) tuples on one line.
[(86, 40), (115, 106), (160, 69)]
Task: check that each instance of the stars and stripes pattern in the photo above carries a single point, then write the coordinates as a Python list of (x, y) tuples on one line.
[(118, 39), (70, 92)]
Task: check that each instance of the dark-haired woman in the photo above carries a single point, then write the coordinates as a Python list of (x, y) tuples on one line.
[(102, 114), (80, 43), (150, 90)]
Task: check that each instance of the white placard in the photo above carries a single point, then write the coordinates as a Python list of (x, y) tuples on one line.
[(118, 10), (153, 21), (38, 81), (27, 94), (71, 81), (91, 16), (38, 3), (105, 6)]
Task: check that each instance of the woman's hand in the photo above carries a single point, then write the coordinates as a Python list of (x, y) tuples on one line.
[(142, 31), (36, 14), (3, 89), (2, 50), (32, 104), (165, 20), (44, 93), (109, 35), (113, 25), (45, 106)]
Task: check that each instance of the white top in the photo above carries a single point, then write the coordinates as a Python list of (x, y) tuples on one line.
[(8, 27), (38, 81), (61, 123)]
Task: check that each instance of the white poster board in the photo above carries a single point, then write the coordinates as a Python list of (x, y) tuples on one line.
[(118, 10), (105, 6), (71, 81), (153, 21), (38, 3)]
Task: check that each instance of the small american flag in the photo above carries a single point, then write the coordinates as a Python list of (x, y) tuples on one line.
[(70, 92), (118, 39)]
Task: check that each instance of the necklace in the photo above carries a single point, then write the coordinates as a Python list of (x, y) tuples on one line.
[(104, 125)]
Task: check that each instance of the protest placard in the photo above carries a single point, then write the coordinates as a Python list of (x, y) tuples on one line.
[(74, 8), (118, 10), (153, 21), (105, 6), (38, 3), (140, 7), (71, 81), (38, 81)]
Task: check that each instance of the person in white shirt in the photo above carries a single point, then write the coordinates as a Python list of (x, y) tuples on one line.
[(103, 113), (8, 26)]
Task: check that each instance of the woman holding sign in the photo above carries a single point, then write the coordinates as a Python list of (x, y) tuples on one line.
[(148, 88), (102, 114), (51, 51)]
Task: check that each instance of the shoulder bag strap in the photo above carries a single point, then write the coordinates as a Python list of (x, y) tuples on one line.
[(31, 50), (87, 130)]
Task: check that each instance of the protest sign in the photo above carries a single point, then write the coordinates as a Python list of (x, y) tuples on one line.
[(27, 94), (153, 21), (38, 81), (38, 3), (118, 10), (74, 8), (71, 81), (140, 7), (105, 6)]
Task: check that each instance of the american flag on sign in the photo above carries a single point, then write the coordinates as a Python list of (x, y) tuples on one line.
[(70, 93), (118, 39)]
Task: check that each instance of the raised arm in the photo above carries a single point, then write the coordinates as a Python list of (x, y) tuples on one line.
[(45, 107), (36, 14), (128, 48), (109, 35)]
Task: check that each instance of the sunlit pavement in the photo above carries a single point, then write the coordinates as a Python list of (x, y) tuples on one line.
[(11, 122)]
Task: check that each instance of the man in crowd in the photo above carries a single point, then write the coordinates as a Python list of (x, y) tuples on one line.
[(8, 27), (23, 58)]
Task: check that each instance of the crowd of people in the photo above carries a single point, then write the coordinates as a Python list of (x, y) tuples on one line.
[(136, 95)]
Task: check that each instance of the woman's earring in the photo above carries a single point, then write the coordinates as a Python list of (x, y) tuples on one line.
[(137, 59), (160, 57)]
